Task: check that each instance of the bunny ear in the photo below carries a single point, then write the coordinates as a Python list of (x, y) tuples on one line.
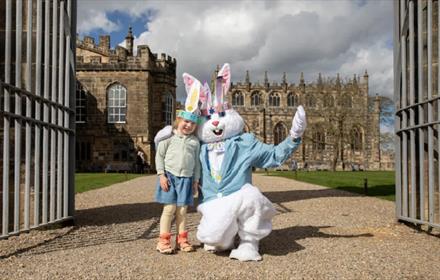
[(188, 80), (225, 74), (222, 84), (205, 96), (192, 87), (192, 100)]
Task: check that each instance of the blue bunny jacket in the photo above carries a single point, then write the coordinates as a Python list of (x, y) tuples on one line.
[(242, 152)]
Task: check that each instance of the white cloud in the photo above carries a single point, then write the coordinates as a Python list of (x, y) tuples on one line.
[(330, 37)]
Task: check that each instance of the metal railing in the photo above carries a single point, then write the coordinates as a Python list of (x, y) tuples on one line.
[(416, 91), (37, 111)]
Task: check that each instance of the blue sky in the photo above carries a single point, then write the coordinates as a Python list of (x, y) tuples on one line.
[(327, 37)]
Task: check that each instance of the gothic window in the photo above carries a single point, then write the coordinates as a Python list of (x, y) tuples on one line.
[(81, 103), (255, 99), (347, 101), (117, 104), (356, 139), (237, 99), (329, 101), (310, 101), (274, 100), (292, 100), (168, 109), (279, 133), (318, 140)]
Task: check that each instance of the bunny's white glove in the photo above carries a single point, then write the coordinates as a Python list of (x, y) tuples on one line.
[(299, 123), (163, 134)]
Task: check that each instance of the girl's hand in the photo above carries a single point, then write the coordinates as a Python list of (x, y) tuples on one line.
[(195, 188), (164, 182)]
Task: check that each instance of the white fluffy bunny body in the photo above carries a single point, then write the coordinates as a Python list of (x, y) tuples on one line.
[(230, 204)]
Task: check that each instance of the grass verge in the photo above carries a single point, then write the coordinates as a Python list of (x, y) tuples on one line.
[(380, 183), (90, 181)]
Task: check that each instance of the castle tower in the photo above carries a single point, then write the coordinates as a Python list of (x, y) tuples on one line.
[(129, 42)]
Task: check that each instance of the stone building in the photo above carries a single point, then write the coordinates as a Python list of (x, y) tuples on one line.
[(343, 121), (123, 99)]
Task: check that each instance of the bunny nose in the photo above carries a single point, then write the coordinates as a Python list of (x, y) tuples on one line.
[(215, 123)]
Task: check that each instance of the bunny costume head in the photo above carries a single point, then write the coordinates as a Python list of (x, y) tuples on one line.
[(218, 120)]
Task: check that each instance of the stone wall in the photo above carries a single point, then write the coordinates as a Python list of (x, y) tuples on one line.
[(147, 78)]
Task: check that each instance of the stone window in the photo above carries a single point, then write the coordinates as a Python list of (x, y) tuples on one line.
[(356, 139), (117, 103), (329, 101), (255, 99), (292, 100), (310, 101), (122, 150), (168, 109), (347, 101), (237, 99), (279, 133), (274, 100), (81, 103), (318, 140), (83, 151)]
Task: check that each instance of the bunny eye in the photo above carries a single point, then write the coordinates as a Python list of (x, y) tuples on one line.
[(208, 117), (222, 114)]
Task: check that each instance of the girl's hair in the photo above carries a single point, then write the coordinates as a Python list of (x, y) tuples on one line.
[(177, 121)]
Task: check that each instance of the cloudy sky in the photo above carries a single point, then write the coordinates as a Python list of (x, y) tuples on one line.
[(337, 36)]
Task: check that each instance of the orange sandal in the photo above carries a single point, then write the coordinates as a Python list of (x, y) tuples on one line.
[(164, 244), (182, 242)]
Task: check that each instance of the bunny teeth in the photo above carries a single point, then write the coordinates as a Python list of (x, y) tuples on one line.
[(218, 132)]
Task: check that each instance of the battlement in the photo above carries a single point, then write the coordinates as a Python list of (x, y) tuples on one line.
[(91, 54)]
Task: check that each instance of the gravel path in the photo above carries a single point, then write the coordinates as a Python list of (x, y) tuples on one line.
[(318, 233)]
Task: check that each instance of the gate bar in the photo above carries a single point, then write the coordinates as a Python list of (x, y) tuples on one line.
[(420, 90), (412, 111), (46, 108), (17, 127), (430, 119), (6, 122), (60, 112), (53, 110), (38, 58), (397, 123), (405, 114), (27, 177)]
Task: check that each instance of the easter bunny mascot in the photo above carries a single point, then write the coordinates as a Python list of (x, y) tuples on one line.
[(230, 204)]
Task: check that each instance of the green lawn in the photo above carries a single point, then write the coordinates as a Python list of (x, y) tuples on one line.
[(380, 183), (89, 181)]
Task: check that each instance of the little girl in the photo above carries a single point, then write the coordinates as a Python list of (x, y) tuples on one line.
[(178, 167)]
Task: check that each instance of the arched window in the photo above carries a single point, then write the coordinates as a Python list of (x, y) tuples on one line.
[(347, 101), (329, 101), (310, 101), (274, 100), (279, 133), (318, 140), (255, 99), (81, 103), (117, 103), (168, 109), (237, 99), (356, 139), (292, 100)]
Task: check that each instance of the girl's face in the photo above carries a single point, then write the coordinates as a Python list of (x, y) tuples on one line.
[(186, 127)]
